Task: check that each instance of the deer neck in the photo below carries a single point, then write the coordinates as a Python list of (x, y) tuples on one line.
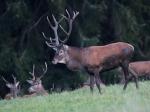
[(41, 90), (73, 58), (13, 93)]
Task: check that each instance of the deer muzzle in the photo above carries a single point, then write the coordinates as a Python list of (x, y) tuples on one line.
[(54, 61), (31, 89)]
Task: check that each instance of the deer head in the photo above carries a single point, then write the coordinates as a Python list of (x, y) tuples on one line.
[(56, 43), (14, 87), (35, 82)]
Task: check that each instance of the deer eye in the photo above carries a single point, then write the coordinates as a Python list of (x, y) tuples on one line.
[(61, 52)]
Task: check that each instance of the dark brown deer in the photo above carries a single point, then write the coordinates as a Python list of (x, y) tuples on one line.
[(139, 68), (93, 59), (36, 83), (14, 89)]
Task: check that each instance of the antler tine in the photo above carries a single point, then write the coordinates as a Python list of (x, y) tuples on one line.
[(56, 23), (51, 40), (50, 44), (14, 79), (32, 73), (63, 30), (5, 79), (45, 36), (62, 17), (44, 71), (68, 14), (75, 14), (49, 23)]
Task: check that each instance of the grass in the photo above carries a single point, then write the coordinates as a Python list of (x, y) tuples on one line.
[(113, 99)]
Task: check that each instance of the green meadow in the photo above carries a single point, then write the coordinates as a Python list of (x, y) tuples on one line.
[(112, 99)]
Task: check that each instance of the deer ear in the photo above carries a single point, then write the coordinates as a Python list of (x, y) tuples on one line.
[(9, 85), (40, 81), (17, 84), (54, 48), (65, 46), (30, 81)]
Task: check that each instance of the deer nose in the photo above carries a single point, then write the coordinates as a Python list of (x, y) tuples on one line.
[(54, 61), (31, 90)]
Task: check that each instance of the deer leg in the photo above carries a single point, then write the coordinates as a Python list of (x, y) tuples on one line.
[(98, 81), (134, 75), (126, 74), (91, 82), (136, 82), (122, 79), (126, 83)]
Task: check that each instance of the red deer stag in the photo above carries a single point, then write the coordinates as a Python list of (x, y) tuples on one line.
[(36, 83), (14, 89), (139, 68), (93, 59)]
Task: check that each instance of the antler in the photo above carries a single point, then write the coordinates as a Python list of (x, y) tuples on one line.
[(44, 70), (5, 80), (14, 79), (32, 73), (54, 43), (70, 21)]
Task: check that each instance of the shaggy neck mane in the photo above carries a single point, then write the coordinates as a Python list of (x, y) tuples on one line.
[(74, 53)]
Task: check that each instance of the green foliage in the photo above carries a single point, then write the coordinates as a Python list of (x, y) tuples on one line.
[(113, 99)]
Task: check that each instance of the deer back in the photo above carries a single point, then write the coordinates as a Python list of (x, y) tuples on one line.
[(141, 67)]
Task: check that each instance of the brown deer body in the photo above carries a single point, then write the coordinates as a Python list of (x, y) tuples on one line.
[(8, 96), (36, 92), (139, 68), (14, 89), (99, 57), (94, 59), (36, 87)]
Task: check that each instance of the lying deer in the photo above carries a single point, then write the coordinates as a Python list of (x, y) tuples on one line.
[(93, 59), (14, 89), (36, 83), (139, 68)]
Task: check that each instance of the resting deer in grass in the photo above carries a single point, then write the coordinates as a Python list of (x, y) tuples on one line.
[(36, 83), (139, 68), (14, 88), (93, 59)]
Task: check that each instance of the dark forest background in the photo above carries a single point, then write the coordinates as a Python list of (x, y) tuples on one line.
[(100, 22)]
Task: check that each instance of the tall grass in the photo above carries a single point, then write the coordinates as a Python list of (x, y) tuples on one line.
[(112, 99)]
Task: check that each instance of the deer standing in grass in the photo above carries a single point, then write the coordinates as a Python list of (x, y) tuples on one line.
[(93, 59), (139, 68), (14, 89), (36, 87)]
